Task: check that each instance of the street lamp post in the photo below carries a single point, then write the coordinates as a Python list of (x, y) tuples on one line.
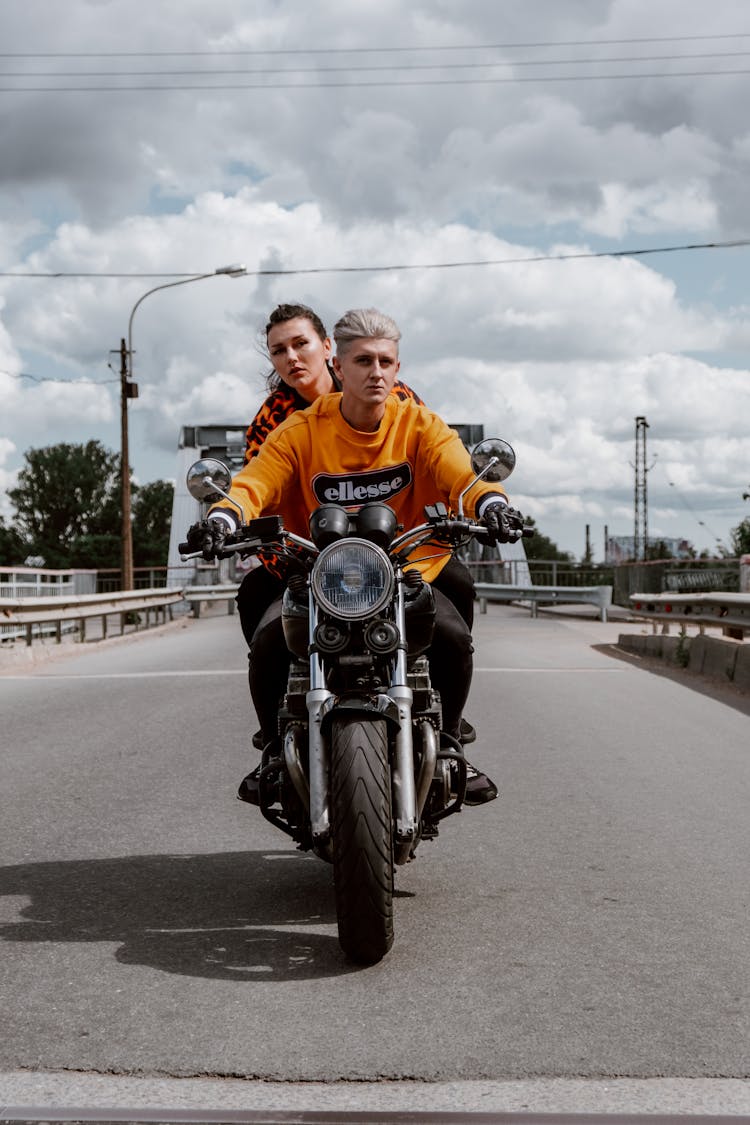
[(129, 389)]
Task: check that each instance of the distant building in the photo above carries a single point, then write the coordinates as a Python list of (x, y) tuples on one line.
[(227, 444), (621, 548), (470, 432)]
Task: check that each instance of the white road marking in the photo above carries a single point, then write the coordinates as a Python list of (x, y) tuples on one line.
[(508, 669)]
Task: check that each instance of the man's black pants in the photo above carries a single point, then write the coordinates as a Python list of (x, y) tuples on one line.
[(450, 658)]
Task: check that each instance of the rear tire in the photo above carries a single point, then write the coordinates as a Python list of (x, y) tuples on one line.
[(362, 837)]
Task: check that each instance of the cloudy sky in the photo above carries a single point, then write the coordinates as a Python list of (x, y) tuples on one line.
[(533, 139)]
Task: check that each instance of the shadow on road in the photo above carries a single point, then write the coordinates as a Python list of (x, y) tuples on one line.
[(241, 916)]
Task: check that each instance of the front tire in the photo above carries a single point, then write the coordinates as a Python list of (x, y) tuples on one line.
[(362, 837)]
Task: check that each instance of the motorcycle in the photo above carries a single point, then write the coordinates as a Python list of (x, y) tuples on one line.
[(360, 772)]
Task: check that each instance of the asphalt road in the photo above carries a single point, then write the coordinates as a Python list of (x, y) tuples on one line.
[(592, 923)]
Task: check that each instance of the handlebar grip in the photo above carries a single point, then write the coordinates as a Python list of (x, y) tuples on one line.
[(183, 548)]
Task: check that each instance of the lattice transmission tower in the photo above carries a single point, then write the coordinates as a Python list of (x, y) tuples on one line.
[(640, 533)]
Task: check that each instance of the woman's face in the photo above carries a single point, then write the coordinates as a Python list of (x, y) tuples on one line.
[(299, 357)]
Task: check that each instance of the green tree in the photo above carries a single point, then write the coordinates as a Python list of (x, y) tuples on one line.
[(13, 549), (67, 503), (740, 537), (541, 547), (152, 517), (657, 549)]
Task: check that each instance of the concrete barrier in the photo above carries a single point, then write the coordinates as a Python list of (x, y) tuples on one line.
[(673, 650), (742, 668), (654, 645), (714, 658), (696, 653), (719, 659)]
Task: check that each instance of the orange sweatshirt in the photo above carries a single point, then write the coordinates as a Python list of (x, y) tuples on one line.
[(316, 457)]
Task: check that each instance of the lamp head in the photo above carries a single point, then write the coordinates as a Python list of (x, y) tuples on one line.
[(237, 269)]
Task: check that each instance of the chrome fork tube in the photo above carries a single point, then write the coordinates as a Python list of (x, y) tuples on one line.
[(402, 773), (318, 700)]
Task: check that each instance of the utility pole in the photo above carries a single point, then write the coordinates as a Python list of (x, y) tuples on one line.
[(127, 390), (640, 533)]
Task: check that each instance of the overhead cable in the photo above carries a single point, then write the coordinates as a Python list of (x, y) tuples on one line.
[(360, 69), (370, 50), (51, 379), (357, 85), (401, 267)]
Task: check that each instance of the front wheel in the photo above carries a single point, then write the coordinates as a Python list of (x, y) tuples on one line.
[(362, 837)]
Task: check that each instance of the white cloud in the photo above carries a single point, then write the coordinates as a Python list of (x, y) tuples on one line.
[(7, 477), (557, 356)]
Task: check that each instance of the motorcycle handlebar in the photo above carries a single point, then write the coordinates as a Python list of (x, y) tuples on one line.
[(450, 527), (247, 545), (228, 549)]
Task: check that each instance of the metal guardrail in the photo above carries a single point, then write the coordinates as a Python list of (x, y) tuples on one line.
[(600, 596), (197, 595), (21, 614), (24, 613), (730, 612)]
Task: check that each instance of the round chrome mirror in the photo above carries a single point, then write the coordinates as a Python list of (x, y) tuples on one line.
[(208, 479), (503, 454)]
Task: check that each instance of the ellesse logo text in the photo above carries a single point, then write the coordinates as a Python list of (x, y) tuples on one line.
[(358, 488)]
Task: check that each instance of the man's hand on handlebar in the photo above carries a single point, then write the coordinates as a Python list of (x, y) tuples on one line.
[(207, 537), (504, 524)]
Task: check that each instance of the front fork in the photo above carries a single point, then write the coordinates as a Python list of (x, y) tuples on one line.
[(405, 813), (407, 798), (319, 701)]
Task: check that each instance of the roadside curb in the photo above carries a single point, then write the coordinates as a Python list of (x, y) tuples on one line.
[(726, 661)]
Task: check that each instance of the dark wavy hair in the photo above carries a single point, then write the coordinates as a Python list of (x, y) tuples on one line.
[(280, 315)]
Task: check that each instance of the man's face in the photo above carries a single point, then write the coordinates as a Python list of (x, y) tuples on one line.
[(368, 370)]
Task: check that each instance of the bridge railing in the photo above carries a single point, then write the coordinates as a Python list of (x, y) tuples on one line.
[(728, 611), (198, 596), (534, 596), (20, 616)]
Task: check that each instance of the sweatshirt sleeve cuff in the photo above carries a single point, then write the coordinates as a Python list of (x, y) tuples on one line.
[(223, 516), (488, 499)]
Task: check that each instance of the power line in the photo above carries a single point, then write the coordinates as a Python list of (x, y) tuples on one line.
[(398, 84), (368, 50), (369, 68), (737, 242), (51, 379), (694, 514)]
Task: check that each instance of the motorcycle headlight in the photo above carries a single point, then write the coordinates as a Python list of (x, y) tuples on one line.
[(352, 579)]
